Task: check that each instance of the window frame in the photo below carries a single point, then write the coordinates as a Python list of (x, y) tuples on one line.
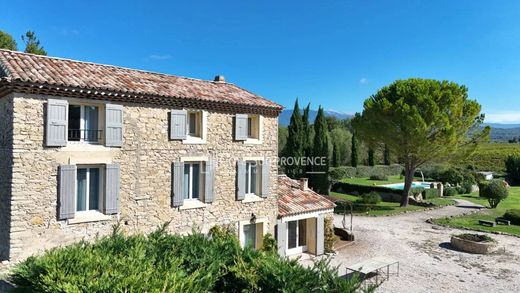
[(254, 129), (199, 137), (202, 181), (82, 123), (258, 178), (101, 184)]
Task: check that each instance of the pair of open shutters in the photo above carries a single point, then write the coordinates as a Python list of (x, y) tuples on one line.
[(209, 194), (281, 236), (178, 125), (67, 189), (58, 117)]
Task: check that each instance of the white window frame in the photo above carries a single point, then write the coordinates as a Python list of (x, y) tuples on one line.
[(82, 123), (202, 118), (257, 125), (202, 180), (87, 194), (241, 235), (249, 174), (298, 249)]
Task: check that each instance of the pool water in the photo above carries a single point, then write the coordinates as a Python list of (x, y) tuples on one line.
[(425, 185)]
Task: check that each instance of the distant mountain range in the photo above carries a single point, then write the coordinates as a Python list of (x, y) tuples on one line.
[(285, 116)]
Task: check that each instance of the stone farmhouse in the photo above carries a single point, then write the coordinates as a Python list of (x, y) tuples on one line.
[(84, 146)]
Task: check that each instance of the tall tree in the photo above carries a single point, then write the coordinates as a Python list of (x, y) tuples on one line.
[(336, 155), (320, 177), (32, 44), (7, 42), (354, 152), (294, 148), (371, 159), (306, 137), (386, 155), (422, 121)]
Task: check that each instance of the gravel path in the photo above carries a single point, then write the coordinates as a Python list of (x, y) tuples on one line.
[(427, 262)]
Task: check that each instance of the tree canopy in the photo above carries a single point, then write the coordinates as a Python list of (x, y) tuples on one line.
[(420, 121), (7, 42), (32, 44)]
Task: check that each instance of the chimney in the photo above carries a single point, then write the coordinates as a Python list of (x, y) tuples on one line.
[(304, 184), (219, 78)]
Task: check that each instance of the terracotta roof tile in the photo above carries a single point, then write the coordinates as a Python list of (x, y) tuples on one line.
[(43, 70), (292, 200)]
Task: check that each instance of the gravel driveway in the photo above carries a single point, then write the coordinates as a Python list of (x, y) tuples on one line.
[(427, 263)]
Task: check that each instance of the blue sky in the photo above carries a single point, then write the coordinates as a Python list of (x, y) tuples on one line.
[(330, 52)]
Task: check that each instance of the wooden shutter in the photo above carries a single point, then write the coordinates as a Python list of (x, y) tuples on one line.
[(178, 124), (241, 180), (113, 125), (209, 195), (112, 188), (320, 235), (240, 127), (265, 178), (57, 122), (178, 187), (281, 234), (67, 183)]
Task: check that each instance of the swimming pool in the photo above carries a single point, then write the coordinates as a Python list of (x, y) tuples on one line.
[(425, 185)]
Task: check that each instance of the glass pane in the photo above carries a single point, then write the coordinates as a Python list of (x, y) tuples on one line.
[(74, 122), (81, 180), (186, 181), (253, 178), (93, 197), (248, 176), (250, 127), (250, 235), (193, 123), (292, 226), (91, 123), (302, 232), (196, 180)]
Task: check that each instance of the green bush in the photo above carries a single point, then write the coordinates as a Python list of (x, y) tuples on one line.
[(371, 198), (161, 262), (466, 187), (495, 191), (475, 237), (330, 237), (379, 177), (513, 215), (269, 244), (513, 169), (450, 191), (430, 193), (342, 172)]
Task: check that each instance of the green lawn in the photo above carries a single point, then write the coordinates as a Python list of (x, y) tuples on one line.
[(388, 208), (471, 221)]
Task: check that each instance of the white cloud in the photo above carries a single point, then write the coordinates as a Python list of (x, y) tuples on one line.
[(513, 117), (160, 56), (363, 80)]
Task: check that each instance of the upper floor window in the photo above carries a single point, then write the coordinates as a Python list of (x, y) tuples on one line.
[(195, 124), (84, 123), (188, 126), (248, 128)]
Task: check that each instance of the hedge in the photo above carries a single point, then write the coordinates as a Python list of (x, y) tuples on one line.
[(513, 215), (430, 193), (386, 193), (342, 172)]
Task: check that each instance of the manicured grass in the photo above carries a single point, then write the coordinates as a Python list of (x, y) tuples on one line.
[(388, 208), (471, 221)]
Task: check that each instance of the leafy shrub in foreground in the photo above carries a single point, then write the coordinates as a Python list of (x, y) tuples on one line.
[(161, 262), (495, 191), (513, 215)]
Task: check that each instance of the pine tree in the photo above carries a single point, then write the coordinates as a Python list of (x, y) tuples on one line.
[(354, 154), (294, 149), (7, 42), (336, 156), (32, 44), (320, 177), (371, 159), (386, 155)]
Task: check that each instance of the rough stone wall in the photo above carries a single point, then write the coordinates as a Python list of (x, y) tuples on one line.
[(145, 158), (6, 152)]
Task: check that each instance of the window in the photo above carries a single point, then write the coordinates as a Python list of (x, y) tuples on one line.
[(193, 180), (297, 234), (88, 187), (83, 124), (253, 127), (194, 124), (252, 178), (249, 235)]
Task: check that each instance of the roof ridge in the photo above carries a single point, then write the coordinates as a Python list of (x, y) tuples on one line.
[(117, 67)]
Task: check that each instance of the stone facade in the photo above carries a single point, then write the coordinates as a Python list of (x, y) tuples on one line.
[(6, 151), (146, 161)]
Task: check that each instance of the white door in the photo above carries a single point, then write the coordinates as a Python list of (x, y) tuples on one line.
[(296, 236)]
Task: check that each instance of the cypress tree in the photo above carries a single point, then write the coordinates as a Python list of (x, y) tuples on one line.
[(306, 137), (294, 149), (354, 154), (371, 160), (386, 155), (336, 155), (320, 176)]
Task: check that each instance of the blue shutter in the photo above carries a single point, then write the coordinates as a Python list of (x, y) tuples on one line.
[(209, 194), (241, 180), (240, 127), (281, 234), (178, 123), (265, 178), (177, 188), (112, 188), (67, 177), (57, 122), (320, 235), (113, 125)]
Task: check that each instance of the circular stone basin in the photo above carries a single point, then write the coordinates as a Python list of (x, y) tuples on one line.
[(473, 243)]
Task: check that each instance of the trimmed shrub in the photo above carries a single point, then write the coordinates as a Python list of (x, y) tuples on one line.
[(475, 237), (513, 169), (371, 198), (161, 262), (430, 193), (379, 177), (339, 173), (466, 187), (513, 215), (495, 191), (450, 191)]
